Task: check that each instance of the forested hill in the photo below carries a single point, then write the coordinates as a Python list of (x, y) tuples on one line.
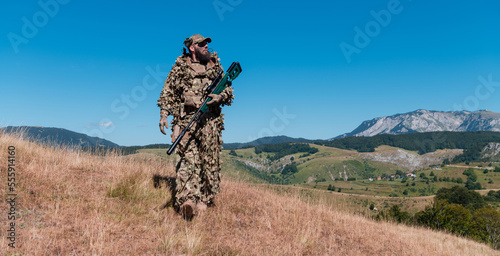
[(58, 136), (265, 141), (472, 142)]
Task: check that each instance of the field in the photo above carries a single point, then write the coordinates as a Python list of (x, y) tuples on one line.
[(73, 203), (355, 196), (332, 167), (414, 187)]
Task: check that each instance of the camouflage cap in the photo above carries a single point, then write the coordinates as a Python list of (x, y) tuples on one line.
[(196, 39)]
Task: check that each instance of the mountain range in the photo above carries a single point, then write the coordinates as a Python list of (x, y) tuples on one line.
[(428, 121), (58, 136), (418, 121), (266, 140)]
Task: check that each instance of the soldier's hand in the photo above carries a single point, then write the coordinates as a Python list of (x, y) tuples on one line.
[(175, 133), (216, 99), (163, 123)]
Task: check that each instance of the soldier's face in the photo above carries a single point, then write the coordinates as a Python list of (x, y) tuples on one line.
[(202, 47), (201, 51)]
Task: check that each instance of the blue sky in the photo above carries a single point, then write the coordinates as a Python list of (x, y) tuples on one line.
[(311, 69)]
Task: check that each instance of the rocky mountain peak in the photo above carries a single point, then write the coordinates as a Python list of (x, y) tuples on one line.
[(422, 120)]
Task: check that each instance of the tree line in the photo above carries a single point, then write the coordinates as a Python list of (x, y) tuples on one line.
[(472, 142), (283, 149), (456, 210), (133, 149)]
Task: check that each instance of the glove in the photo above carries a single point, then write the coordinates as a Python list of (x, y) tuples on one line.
[(216, 99), (163, 123)]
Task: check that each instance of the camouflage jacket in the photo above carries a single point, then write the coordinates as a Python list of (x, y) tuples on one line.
[(187, 81)]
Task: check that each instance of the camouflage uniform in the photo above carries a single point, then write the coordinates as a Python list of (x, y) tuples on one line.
[(198, 167)]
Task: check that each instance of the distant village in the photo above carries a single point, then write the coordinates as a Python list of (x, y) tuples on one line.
[(394, 177)]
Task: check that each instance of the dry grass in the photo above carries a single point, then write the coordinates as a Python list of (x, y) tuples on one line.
[(73, 203), (349, 203)]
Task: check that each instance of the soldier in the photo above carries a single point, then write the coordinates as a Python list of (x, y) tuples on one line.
[(198, 166)]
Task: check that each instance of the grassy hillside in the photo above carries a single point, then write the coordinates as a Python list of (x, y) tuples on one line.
[(351, 170), (356, 200), (325, 169), (70, 202), (323, 165)]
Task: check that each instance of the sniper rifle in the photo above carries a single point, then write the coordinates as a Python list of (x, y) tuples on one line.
[(217, 86)]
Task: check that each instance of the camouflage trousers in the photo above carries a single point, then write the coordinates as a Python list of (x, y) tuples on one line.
[(198, 166)]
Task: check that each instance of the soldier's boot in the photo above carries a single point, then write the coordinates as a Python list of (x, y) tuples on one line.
[(201, 207), (188, 210)]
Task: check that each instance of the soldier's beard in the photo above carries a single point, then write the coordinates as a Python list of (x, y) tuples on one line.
[(203, 57)]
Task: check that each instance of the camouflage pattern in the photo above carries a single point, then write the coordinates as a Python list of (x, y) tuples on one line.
[(198, 167)]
